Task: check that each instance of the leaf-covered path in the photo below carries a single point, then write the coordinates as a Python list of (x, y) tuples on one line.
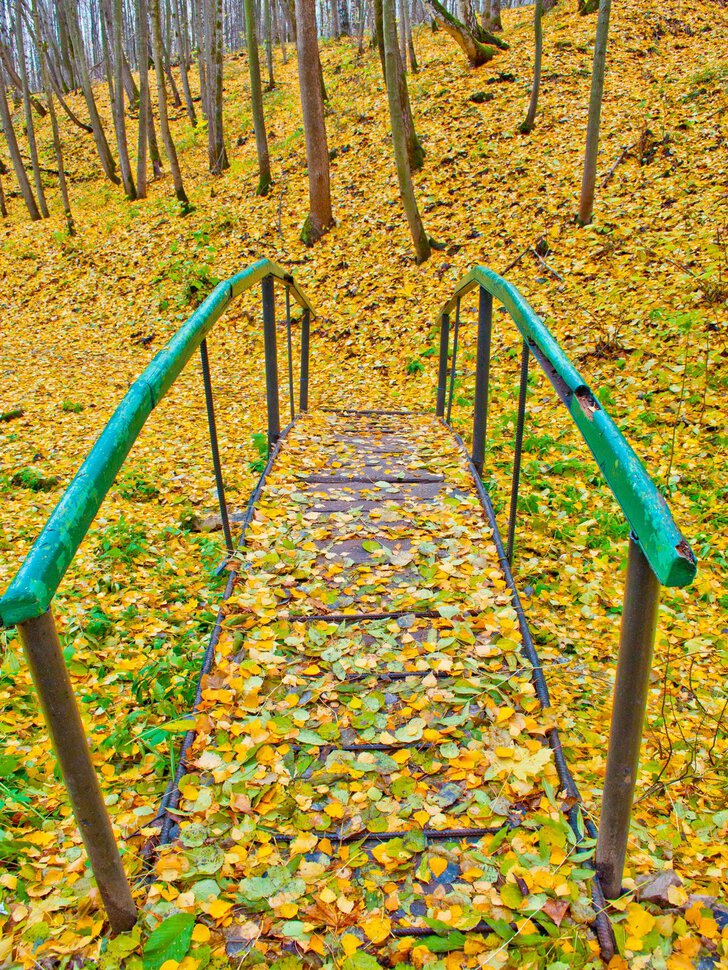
[(373, 770)]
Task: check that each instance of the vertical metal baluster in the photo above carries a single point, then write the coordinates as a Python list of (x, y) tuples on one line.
[(517, 452), (271, 362), (50, 676), (454, 359), (289, 342), (214, 447), (305, 342), (636, 642), (442, 373), (482, 378)]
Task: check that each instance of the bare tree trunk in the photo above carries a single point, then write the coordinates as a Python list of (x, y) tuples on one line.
[(116, 86), (16, 81), (279, 29), (28, 110), (406, 189), (530, 119), (166, 52), (15, 158), (586, 200), (57, 147), (402, 35), (184, 63), (361, 12), (212, 33), (320, 217), (415, 151), (407, 27), (478, 45), (3, 206), (269, 45), (144, 105), (81, 71), (162, 99), (256, 98), (335, 25), (344, 22)]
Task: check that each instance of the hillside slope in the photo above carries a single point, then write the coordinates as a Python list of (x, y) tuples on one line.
[(638, 301)]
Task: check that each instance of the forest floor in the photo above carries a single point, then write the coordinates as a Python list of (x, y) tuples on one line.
[(638, 301)]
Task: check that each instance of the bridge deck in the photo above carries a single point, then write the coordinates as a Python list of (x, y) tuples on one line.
[(371, 766)]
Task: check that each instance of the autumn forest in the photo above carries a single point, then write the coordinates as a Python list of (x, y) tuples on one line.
[(362, 484)]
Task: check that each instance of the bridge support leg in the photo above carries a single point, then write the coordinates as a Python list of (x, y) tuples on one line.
[(305, 344), (637, 637), (50, 676), (482, 375), (215, 448), (442, 374), (271, 362)]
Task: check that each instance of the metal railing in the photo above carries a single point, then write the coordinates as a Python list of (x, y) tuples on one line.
[(658, 553), (26, 603)]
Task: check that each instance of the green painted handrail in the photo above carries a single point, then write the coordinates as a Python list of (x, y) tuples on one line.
[(666, 549), (34, 585)]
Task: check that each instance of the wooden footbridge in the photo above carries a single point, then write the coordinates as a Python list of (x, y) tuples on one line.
[(373, 766)]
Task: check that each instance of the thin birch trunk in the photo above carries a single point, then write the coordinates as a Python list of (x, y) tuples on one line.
[(162, 106), (269, 44), (81, 70), (28, 110), (144, 105), (57, 147), (586, 200), (406, 189), (530, 119), (15, 157), (256, 99), (117, 104)]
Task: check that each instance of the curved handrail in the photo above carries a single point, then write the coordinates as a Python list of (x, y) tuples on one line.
[(649, 517), (34, 585)]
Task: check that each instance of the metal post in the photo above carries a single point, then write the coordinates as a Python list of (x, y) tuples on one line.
[(289, 344), (453, 366), (482, 377), (211, 424), (442, 373), (271, 362), (637, 637), (45, 659), (517, 452), (305, 342)]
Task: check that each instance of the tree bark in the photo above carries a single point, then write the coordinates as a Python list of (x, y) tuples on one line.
[(269, 44), (162, 99), (117, 102), (15, 80), (586, 200), (144, 105), (82, 73), (256, 98), (415, 151), (183, 42), (28, 110), (57, 147), (406, 189), (15, 158), (530, 119), (344, 22), (478, 46), (407, 27), (320, 217), (3, 206)]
